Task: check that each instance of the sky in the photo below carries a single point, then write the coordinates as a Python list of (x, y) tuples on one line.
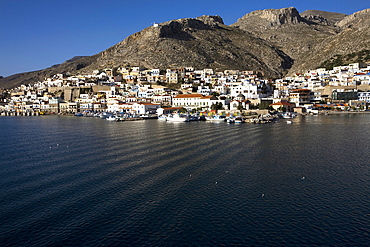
[(36, 34)]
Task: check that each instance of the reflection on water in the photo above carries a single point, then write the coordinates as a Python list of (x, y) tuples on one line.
[(85, 181)]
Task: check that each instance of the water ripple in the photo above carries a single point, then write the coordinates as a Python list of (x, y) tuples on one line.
[(85, 181)]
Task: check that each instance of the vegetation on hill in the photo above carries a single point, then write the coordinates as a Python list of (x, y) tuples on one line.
[(338, 60)]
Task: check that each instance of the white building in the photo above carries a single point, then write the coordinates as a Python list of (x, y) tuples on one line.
[(204, 90), (187, 100), (143, 108), (172, 77), (221, 89), (193, 101), (249, 90), (364, 96)]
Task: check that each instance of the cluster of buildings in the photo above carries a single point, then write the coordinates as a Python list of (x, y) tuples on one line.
[(140, 91)]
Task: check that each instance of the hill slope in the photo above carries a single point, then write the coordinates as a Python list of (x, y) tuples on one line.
[(203, 42), (312, 37), (287, 29), (353, 37), (70, 66)]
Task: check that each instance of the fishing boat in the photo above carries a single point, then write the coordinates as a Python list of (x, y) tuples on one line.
[(288, 115), (162, 117), (111, 118), (239, 120), (216, 118), (193, 118), (230, 120), (176, 117)]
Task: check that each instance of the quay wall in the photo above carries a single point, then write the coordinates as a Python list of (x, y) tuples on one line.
[(26, 113)]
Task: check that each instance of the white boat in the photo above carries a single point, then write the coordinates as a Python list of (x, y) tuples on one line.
[(239, 120), (177, 118), (230, 120), (216, 118), (149, 116), (288, 115), (104, 115), (289, 122), (193, 118), (111, 118), (162, 117)]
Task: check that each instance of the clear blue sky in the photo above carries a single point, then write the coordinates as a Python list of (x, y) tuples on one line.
[(35, 34)]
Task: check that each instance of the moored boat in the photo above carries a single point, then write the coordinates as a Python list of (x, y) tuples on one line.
[(193, 118), (112, 118), (176, 117), (239, 120), (162, 117), (149, 116), (230, 120), (288, 115), (216, 118)]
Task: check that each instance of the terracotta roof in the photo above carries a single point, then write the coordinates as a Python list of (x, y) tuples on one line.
[(147, 104), (282, 103), (172, 108), (300, 90), (189, 96)]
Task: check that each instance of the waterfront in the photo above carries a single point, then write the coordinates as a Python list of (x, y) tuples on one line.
[(73, 181)]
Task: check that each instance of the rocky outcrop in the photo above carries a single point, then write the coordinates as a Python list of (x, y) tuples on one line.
[(359, 19), (323, 17), (352, 37), (285, 29), (269, 18), (312, 37)]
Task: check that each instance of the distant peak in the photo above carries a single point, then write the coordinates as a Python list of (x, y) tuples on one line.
[(357, 16), (179, 28), (319, 16), (269, 18), (199, 22), (277, 16), (211, 19)]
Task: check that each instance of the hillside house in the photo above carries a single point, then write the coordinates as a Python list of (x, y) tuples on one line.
[(282, 105), (300, 96)]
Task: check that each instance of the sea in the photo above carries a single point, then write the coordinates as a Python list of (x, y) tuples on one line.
[(84, 181)]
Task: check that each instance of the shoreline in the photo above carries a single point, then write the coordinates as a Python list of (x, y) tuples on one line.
[(37, 114)]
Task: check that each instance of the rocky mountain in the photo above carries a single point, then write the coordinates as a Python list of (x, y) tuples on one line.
[(353, 37), (288, 30), (203, 42), (312, 37), (323, 17), (273, 42)]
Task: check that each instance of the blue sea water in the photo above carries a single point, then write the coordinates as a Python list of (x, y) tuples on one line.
[(76, 181)]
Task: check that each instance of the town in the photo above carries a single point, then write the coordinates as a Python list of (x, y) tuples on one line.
[(139, 91)]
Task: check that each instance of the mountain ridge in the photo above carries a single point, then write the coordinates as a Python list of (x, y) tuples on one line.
[(198, 42)]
